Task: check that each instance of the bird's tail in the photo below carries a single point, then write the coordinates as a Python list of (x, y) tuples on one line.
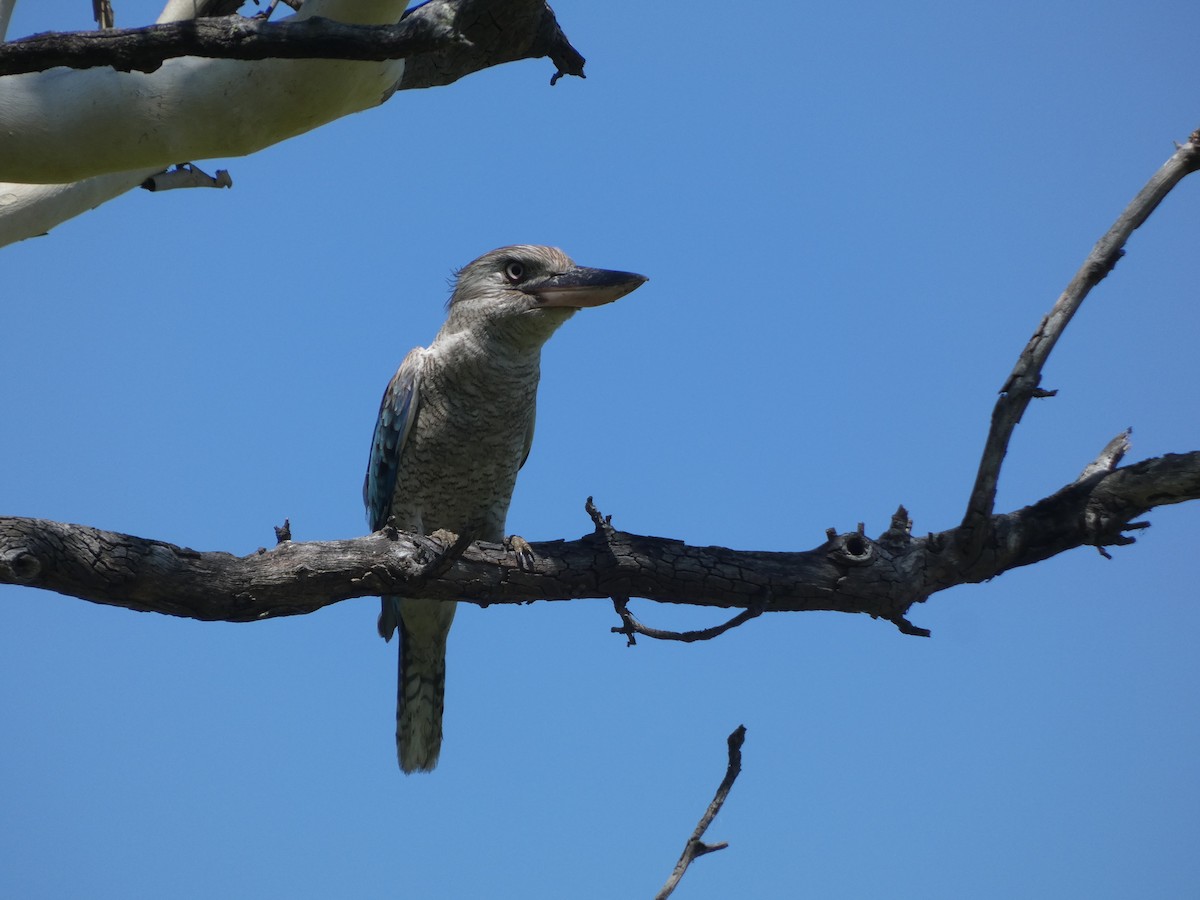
[(421, 686)]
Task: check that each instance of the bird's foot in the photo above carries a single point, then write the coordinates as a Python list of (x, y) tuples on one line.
[(445, 536), (521, 547)]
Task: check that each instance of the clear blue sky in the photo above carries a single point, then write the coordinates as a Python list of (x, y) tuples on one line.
[(853, 218)]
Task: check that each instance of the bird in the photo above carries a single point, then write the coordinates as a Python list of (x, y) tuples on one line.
[(454, 427)]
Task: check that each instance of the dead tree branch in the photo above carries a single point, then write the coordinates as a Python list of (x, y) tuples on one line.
[(443, 40), (631, 627), (1024, 383), (695, 847), (848, 573)]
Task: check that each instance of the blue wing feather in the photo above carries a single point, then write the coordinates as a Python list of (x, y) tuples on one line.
[(529, 436), (397, 412)]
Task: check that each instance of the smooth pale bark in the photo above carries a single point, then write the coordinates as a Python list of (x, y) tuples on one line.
[(189, 109), (29, 210), (134, 125)]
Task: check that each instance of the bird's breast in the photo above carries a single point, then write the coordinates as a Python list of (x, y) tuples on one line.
[(459, 465)]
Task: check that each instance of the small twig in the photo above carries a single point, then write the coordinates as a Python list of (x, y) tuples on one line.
[(899, 530), (1022, 385), (602, 522), (907, 627), (1122, 540), (630, 626), (567, 60), (696, 847), (102, 13)]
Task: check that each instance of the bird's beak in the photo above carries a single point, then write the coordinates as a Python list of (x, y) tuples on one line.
[(581, 286)]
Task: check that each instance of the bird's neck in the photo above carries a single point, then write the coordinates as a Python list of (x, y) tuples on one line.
[(511, 339), (487, 358)]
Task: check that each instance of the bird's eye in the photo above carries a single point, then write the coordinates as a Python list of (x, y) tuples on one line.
[(514, 271)]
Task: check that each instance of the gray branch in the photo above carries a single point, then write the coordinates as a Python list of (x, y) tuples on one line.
[(695, 846), (442, 40), (852, 573), (1024, 383)]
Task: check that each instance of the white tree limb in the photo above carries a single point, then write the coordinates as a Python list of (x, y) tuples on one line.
[(191, 109), (64, 125), (29, 210), (133, 125)]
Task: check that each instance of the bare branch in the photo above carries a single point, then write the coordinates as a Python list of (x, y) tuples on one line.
[(907, 627), (695, 846), (102, 14), (630, 626), (442, 40), (602, 522), (1022, 384), (850, 573)]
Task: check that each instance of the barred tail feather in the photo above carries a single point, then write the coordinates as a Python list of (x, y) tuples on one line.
[(421, 685)]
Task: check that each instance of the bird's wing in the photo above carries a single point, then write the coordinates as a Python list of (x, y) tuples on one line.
[(396, 415), (529, 434)]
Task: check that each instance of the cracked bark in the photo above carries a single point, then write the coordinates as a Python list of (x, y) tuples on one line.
[(852, 573)]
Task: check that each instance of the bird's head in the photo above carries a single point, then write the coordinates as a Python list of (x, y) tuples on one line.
[(530, 290)]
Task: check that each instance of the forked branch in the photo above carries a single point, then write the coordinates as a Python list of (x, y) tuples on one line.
[(696, 847), (1024, 383), (631, 627)]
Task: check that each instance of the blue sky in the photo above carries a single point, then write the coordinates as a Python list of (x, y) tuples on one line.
[(852, 217)]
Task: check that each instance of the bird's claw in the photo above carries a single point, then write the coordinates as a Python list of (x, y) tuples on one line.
[(524, 551), (445, 536), (453, 547)]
